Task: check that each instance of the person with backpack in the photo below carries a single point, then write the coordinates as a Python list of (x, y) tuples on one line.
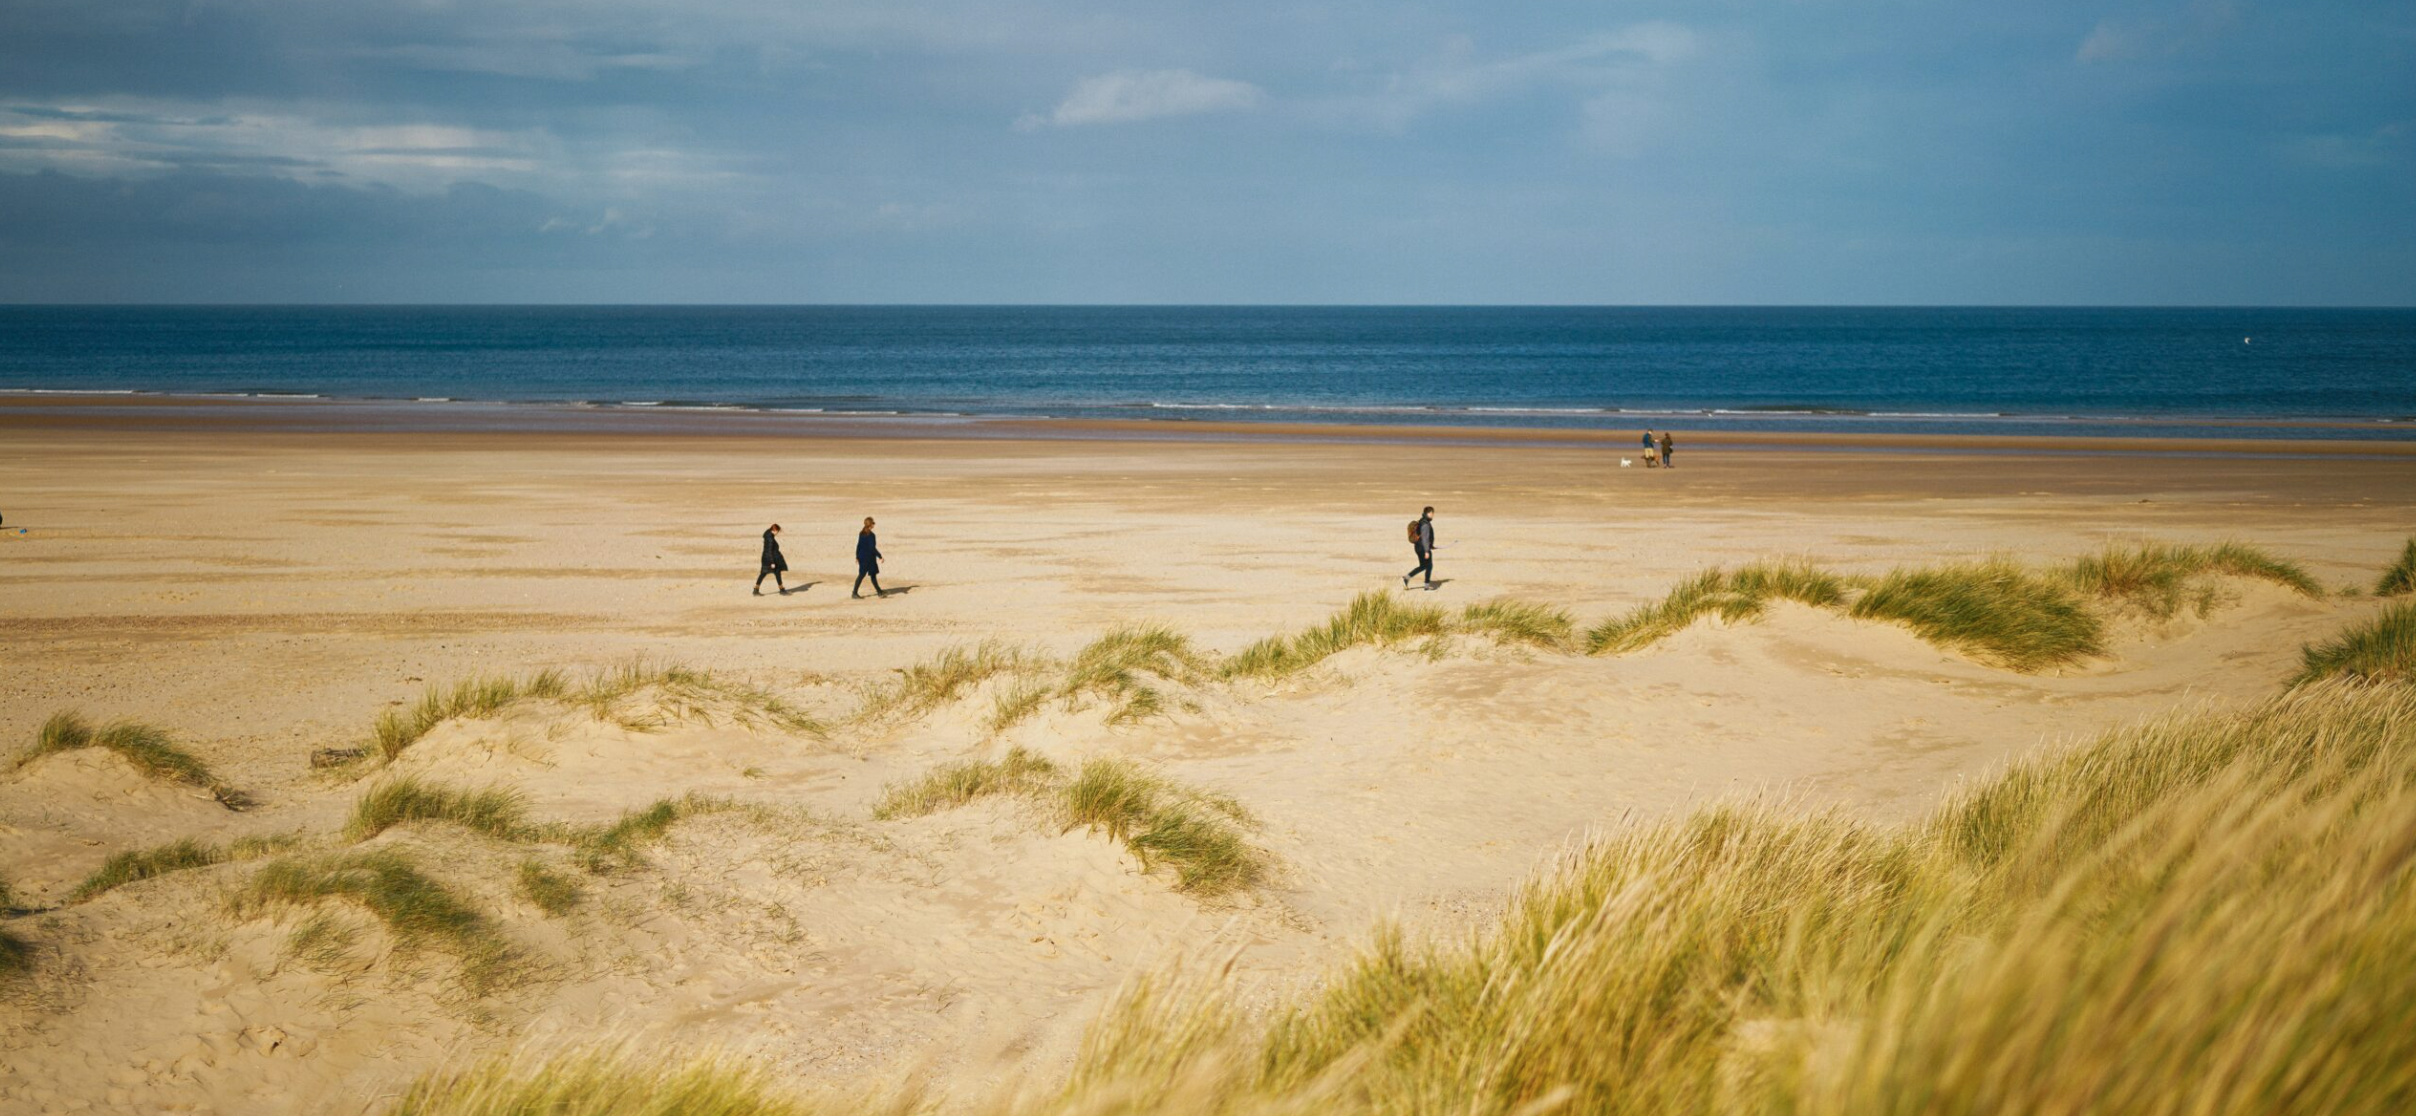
[(868, 562), (1421, 541), (773, 564)]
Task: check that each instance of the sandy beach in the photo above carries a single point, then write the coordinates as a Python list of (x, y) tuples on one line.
[(262, 593)]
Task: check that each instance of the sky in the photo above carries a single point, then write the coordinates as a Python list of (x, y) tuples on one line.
[(2201, 152)]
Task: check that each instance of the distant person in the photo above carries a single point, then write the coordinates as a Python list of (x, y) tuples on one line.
[(1421, 540), (1669, 458), (1652, 457), (773, 564), (868, 562)]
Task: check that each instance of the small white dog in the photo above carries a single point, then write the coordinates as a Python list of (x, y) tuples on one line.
[(1625, 462)]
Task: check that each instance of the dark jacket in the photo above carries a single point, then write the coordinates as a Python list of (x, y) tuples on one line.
[(771, 554), (868, 552), (1425, 534)]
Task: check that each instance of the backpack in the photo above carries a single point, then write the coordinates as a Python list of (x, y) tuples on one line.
[(1414, 537)]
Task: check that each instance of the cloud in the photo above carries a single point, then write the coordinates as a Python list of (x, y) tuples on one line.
[(2117, 40), (1125, 96), (1615, 61)]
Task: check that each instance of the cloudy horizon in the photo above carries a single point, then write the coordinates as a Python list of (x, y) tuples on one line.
[(2202, 152)]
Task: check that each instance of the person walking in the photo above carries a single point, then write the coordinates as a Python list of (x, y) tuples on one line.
[(773, 564), (868, 562), (1667, 461), (1652, 459), (1421, 540)]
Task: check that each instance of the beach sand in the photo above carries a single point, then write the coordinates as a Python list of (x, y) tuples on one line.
[(263, 593)]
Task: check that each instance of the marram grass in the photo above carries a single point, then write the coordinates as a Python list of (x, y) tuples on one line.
[(2201, 915), (2160, 579), (953, 784), (1996, 612), (678, 694), (417, 909), (176, 856), (1734, 597), (149, 749), (495, 811), (1371, 619), (2379, 650), (2400, 579)]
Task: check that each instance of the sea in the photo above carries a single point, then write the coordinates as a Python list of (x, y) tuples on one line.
[(2232, 373)]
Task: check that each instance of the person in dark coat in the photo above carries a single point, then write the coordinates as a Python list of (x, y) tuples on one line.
[(1422, 543), (1668, 452), (868, 562), (773, 564)]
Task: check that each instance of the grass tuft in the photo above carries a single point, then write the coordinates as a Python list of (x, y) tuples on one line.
[(1379, 619), (1119, 668), (2400, 579), (495, 811), (176, 856), (548, 890), (415, 908), (621, 844), (2380, 650), (1161, 822), (1733, 597), (622, 1083), (2159, 579), (953, 784), (680, 693), (1995, 612), (944, 677), (147, 748), (1513, 621)]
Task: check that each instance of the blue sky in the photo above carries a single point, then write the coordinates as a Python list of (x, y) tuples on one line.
[(2199, 152)]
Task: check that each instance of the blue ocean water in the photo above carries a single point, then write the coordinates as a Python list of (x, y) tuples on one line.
[(2337, 373)]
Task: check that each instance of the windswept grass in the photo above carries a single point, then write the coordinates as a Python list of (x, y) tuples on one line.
[(1994, 611), (149, 749), (680, 693), (415, 908), (1162, 822), (624, 1082), (2159, 579), (495, 811), (2204, 914), (176, 856), (2380, 650), (1379, 619), (1512, 621), (622, 843), (951, 785), (944, 677), (1733, 597), (548, 890), (2400, 579), (1122, 668)]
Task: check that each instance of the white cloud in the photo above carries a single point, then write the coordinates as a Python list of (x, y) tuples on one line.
[(1611, 60), (1128, 95), (2196, 23)]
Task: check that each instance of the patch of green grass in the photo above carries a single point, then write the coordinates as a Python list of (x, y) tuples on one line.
[(1996, 612), (415, 908), (1017, 702), (2380, 650), (2401, 577), (1513, 621), (495, 811), (679, 693), (176, 856), (149, 749), (548, 890), (1121, 667), (1196, 833), (624, 1083), (2159, 579), (944, 677), (1734, 597), (1379, 619), (621, 844), (953, 784)]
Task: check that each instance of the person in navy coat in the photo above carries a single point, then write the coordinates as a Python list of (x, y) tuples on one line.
[(868, 562)]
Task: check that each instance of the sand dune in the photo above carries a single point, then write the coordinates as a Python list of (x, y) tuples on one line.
[(267, 601)]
